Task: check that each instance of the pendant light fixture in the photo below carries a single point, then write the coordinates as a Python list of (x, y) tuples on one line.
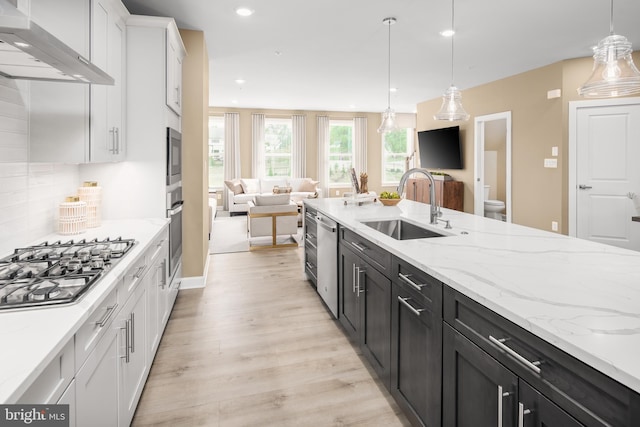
[(452, 109), (389, 116), (614, 73)]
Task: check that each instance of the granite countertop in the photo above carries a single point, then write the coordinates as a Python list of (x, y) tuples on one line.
[(31, 338), (583, 297)]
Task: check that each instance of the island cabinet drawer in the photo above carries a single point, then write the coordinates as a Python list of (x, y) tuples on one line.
[(311, 232), (311, 263), (376, 256), (94, 328), (416, 279), (588, 395)]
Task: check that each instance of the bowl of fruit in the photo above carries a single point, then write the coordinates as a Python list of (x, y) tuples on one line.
[(389, 198)]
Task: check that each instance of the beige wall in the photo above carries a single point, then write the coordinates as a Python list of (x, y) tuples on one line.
[(374, 141), (539, 195), (195, 134)]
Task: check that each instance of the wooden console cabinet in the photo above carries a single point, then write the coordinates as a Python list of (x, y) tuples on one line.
[(449, 194)]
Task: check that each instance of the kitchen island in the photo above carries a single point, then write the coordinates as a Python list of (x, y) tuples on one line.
[(581, 297), (33, 337)]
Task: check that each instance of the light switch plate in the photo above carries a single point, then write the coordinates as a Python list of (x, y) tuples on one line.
[(550, 163), (554, 151)]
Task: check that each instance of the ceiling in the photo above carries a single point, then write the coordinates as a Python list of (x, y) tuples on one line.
[(332, 55)]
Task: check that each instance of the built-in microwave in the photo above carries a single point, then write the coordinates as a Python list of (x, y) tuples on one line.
[(174, 156)]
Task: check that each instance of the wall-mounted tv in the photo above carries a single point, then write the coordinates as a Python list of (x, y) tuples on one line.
[(440, 148)]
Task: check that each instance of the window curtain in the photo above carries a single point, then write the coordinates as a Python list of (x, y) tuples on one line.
[(323, 154), (257, 138), (231, 151), (299, 141), (360, 144)]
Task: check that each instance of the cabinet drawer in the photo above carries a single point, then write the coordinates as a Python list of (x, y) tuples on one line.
[(419, 281), (53, 381), (311, 232), (94, 328), (371, 253), (591, 397), (311, 263)]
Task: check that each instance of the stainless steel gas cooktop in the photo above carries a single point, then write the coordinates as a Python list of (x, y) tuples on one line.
[(57, 273)]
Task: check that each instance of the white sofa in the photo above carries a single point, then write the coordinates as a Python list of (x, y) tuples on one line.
[(241, 191)]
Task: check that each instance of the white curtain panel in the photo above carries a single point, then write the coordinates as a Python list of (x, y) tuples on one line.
[(257, 138), (360, 144), (323, 154), (299, 127), (231, 151)]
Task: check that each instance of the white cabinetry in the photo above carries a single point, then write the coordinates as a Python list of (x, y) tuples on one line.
[(78, 123), (175, 55)]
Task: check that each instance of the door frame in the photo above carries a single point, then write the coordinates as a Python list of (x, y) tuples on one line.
[(478, 154), (572, 172)]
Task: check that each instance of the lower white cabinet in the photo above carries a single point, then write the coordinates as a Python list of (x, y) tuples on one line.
[(97, 384), (69, 398)]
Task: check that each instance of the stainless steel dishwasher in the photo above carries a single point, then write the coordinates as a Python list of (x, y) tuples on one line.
[(328, 262)]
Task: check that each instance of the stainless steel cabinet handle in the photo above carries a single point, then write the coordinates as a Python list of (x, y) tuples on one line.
[(405, 278), (117, 142), (415, 311), (358, 282), (500, 343), (133, 336), (358, 247), (353, 276), (107, 316), (309, 265), (126, 341), (521, 413), (584, 187), (360, 289), (501, 395), (112, 149), (140, 271)]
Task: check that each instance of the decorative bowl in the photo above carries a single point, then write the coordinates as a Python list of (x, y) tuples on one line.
[(390, 202)]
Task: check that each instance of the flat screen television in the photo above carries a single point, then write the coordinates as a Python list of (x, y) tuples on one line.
[(440, 148)]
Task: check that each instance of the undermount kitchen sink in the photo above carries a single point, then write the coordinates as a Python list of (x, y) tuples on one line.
[(400, 229)]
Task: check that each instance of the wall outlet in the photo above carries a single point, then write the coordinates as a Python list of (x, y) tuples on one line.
[(337, 192), (554, 225), (550, 163), (218, 196)]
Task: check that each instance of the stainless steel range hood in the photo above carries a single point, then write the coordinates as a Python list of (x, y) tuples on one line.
[(28, 51)]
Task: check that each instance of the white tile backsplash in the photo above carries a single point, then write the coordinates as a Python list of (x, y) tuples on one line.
[(29, 192)]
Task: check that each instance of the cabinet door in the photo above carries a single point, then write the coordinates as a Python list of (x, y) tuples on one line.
[(153, 310), (373, 291), (476, 389), (348, 313), (416, 357), (97, 384), (69, 398), (133, 362), (535, 410), (174, 74)]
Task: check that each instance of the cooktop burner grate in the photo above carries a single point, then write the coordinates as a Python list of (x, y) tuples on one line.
[(57, 272)]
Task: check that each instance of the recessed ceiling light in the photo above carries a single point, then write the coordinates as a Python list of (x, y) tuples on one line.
[(393, 89), (447, 33), (240, 81), (234, 101), (244, 11), (352, 106)]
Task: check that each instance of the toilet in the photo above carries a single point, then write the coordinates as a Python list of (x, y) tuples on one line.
[(492, 208)]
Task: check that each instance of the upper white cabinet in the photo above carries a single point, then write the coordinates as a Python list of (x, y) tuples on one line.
[(79, 123), (175, 55), (107, 141)]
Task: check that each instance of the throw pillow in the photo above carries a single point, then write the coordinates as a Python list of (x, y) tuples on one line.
[(309, 186), (281, 190), (272, 199), (250, 185), (267, 184), (234, 186)]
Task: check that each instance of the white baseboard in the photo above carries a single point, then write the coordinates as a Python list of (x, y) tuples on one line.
[(196, 282)]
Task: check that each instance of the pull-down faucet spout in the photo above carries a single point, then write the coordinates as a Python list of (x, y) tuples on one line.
[(432, 191)]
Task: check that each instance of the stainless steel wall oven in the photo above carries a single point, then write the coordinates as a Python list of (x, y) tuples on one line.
[(174, 198)]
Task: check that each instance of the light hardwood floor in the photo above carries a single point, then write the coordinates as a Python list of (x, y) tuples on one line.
[(256, 347)]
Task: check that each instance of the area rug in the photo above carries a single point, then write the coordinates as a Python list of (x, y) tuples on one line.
[(229, 234)]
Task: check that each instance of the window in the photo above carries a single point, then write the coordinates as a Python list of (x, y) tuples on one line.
[(216, 152), (396, 147), (341, 152), (277, 147)]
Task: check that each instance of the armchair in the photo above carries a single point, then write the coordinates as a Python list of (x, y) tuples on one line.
[(272, 215)]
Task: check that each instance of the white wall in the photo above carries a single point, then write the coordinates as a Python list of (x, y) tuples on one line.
[(29, 192)]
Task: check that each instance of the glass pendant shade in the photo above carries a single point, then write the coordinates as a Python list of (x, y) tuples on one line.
[(389, 123), (614, 73), (451, 108)]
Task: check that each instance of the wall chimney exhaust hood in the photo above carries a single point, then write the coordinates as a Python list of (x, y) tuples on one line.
[(28, 51)]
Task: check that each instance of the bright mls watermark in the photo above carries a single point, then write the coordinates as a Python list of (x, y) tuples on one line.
[(34, 415)]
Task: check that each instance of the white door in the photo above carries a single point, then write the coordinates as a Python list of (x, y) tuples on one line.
[(607, 179)]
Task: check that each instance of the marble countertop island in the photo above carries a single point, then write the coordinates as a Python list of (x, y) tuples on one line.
[(32, 337), (583, 297)]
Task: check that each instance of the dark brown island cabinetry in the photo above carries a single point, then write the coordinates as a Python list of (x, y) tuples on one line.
[(364, 299)]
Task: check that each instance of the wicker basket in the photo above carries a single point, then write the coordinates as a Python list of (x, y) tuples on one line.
[(73, 216), (390, 202), (92, 195)]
